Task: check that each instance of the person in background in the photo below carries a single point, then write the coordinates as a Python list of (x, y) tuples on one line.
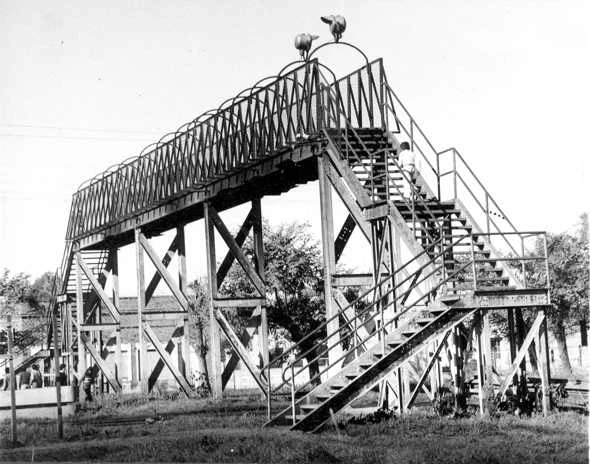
[(407, 159), (36, 377), (61, 375), (24, 379), (87, 383), (6, 379)]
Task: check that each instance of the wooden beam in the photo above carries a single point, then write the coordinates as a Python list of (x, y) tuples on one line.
[(99, 290), (164, 356), (237, 251), (81, 366), (111, 378), (183, 285), (180, 297), (344, 236), (239, 348), (140, 269), (431, 363), (238, 302), (214, 335), (521, 353), (110, 326)]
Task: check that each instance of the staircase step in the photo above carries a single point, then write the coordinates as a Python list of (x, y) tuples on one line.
[(423, 321), (308, 407)]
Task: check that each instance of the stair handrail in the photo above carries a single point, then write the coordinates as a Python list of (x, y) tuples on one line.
[(367, 310), (360, 297), (434, 166), (340, 116), (381, 331)]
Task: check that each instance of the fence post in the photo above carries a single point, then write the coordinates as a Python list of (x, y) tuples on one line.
[(293, 394), (12, 382)]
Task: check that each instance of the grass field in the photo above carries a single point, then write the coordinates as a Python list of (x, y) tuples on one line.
[(202, 431)]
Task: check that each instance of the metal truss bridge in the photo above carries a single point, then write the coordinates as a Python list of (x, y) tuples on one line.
[(444, 253)]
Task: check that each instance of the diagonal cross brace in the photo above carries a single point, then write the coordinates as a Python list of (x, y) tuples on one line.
[(237, 251), (239, 348), (180, 297), (251, 328), (98, 288), (167, 359), (240, 239), (151, 288), (101, 364), (521, 353), (431, 362)]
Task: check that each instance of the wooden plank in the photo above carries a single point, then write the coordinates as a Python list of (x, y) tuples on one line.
[(352, 280), (99, 289), (165, 356), (183, 285), (344, 236), (237, 251), (108, 326), (521, 353), (238, 302), (180, 297), (239, 348)]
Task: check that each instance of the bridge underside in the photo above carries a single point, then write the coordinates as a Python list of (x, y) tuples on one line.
[(274, 175)]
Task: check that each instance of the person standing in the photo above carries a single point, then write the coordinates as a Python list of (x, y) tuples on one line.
[(36, 377), (24, 379), (62, 376), (407, 160), (7, 378), (87, 383)]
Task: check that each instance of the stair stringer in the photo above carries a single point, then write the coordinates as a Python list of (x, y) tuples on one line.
[(514, 279), (382, 368)]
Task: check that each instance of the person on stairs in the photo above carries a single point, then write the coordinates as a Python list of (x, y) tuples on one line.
[(407, 160)]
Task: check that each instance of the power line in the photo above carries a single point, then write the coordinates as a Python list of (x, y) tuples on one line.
[(73, 137), (80, 129)]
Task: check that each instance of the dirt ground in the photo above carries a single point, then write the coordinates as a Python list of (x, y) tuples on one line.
[(179, 430)]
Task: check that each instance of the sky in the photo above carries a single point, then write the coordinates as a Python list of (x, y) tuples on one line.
[(85, 85)]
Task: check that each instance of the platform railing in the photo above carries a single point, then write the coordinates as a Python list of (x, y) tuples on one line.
[(259, 121)]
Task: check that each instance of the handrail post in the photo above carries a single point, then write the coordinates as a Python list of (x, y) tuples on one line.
[(382, 325), (438, 175), (268, 393), (293, 393), (546, 261), (455, 174), (488, 212), (356, 340), (522, 263), (473, 263)]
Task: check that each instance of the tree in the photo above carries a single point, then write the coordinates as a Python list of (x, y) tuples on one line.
[(294, 282), (199, 319), (569, 275)]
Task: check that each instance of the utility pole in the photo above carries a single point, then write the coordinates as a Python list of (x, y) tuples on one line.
[(56, 356), (12, 382)]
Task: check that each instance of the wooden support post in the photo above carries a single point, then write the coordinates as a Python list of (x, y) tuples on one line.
[(214, 334), (329, 259), (143, 370), (183, 284), (56, 356), (116, 302), (260, 269), (542, 365), (480, 364), (81, 367)]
